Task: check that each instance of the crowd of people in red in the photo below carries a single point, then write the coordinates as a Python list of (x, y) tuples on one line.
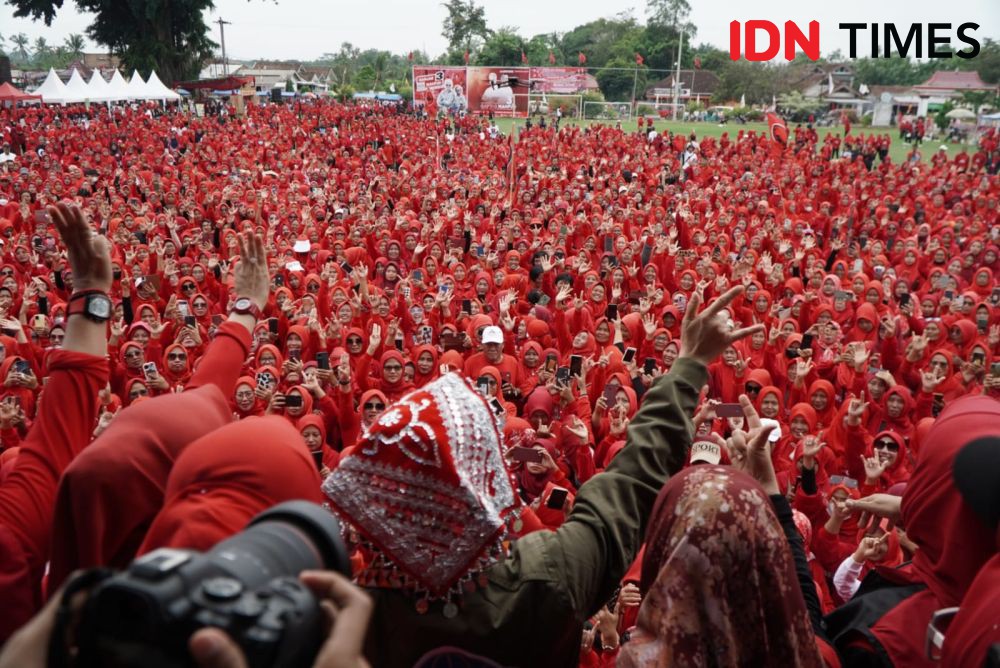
[(557, 273)]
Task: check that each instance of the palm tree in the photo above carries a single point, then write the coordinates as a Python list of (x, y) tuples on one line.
[(2, 40), (74, 45), (41, 47), (380, 65), (20, 42)]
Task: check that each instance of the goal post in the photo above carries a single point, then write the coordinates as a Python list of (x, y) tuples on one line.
[(607, 111), (664, 110), (546, 104)]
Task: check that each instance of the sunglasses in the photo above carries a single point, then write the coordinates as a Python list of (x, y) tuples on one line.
[(392, 367), (200, 305), (374, 407), (189, 288), (176, 356), (887, 445), (133, 353), (354, 342)]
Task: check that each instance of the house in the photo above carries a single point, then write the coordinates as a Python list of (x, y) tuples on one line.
[(270, 74), (100, 61), (216, 68), (923, 99), (831, 85), (695, 86)]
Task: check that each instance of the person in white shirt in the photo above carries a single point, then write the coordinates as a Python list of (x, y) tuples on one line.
[(6, 155)]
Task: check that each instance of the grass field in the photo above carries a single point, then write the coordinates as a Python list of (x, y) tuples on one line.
[(897, 150)]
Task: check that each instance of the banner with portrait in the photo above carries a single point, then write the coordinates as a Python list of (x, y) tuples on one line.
[(440, 89), (500, 90)]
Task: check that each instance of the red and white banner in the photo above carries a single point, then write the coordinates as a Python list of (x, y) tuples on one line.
[(559, 80), (440, 88), (500, 90)]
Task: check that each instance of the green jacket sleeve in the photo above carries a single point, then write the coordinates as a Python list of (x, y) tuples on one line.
[(587, 557)]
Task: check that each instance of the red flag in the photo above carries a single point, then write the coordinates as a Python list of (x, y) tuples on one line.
[(639, 60), (524, 58), (778, 129), (697, 63), (582, 58), (410, 57), (466, 57), (552, 58)]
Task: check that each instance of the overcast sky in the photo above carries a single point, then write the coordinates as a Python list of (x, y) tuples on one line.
[(304, 29)]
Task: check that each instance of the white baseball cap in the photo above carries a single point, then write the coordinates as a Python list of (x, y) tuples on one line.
[(493, 334), (706, 451)]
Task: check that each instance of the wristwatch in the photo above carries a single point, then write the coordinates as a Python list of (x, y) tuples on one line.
[(245, 306), (94, 305)]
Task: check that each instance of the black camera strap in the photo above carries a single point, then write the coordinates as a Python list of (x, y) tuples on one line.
[(59, 656)]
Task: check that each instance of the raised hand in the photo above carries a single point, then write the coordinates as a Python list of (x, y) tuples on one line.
[(89, 253), (250, 277), (705, 335), (873, 468)]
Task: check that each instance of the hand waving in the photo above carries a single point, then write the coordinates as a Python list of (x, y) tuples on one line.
[(705, 335), (89, 253)]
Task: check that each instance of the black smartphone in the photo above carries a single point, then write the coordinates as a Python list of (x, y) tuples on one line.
[(979, 359), (995, 369), (807, 341), (190, 321), (279, 280), (609, 244), (22, 367), (483, 386), (293, 401), (791, 353), (729, 410), (272, 325), (562, 375), (294, 355), (904, 299), (938, 405), (628, 356), (949, 295), (575, 365), (557, 498), (610, 394), (399, 345), (611, 312), (648, 366), (417, 275), (317, 456), (466, 306), (323, 360), (346, 267)]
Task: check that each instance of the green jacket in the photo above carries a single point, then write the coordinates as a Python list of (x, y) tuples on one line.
[(532, 611)]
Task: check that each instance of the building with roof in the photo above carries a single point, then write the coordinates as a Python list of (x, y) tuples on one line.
[(695, 86)]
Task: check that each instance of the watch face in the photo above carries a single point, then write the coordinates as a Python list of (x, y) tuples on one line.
[(99, 307), (242, 304)]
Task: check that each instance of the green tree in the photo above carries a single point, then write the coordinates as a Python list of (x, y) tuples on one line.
[(364, 79), (539, 47), (342, 63), (673, 13), (169, 36), (20, 42), (503, 47), (464, 26), (618, 79), (42, 48), (74, 45), (759, 82), (602, 40)]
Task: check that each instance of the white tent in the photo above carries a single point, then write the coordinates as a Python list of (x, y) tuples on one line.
[(99, 89), (117, 88), (136, 87), (77, 89), (52, 90), (156, 90)]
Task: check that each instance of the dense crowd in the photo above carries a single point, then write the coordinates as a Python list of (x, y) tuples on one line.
[(851, 337)]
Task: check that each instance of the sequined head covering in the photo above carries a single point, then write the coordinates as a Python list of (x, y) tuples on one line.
[(428, 488)]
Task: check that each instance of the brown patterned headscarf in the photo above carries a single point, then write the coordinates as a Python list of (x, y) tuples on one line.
[(718, 580)]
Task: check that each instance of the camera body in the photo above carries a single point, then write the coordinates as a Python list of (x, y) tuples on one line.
[(246, 585)]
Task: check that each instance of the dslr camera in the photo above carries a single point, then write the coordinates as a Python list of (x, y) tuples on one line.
[(246, 585)]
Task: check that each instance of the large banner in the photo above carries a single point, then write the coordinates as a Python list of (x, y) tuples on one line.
[(490, 90), (559, 80), (440, 88), (502, 91)]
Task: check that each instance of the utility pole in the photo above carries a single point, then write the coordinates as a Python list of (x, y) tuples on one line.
[(677, 76), (222, 35)]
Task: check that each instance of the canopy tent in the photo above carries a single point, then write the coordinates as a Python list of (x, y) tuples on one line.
[(76, 89), (155, 90), (136, 87), (99, 89), (10, 94), (117, 87), (52, 89)]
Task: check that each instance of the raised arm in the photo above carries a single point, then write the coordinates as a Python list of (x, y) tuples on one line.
[(66, 417), (599, 541)]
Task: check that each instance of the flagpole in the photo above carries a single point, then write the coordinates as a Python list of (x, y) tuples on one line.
[(677, 77), (635, 81)]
